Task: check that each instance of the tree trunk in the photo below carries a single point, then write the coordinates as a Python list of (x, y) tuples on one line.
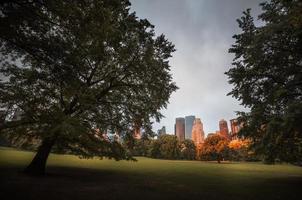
[(38, 164)]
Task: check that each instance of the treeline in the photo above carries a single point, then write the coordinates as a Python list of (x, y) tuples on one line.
[(164, 147), (214, 148)]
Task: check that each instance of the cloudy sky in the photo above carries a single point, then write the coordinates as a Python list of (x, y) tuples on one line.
[(202, 32)]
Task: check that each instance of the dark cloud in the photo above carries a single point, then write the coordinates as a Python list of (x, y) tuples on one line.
[(202, 32)]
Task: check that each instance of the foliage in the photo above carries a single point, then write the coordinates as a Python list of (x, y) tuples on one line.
[(239, 150), (267, 79), (215, 147), (141, 147), (154, 151), (187, 150), (169, 146), (238, 144), (166, 147)]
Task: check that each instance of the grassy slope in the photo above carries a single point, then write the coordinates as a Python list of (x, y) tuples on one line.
[(72, 178)]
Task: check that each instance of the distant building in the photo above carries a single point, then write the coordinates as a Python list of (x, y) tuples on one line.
[(235, 128), (137, 133), (223, 129), (161, 131), (197, 132), (189, 120), (180, 128)]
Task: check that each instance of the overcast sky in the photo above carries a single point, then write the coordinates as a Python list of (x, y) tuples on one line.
[(202, 32)]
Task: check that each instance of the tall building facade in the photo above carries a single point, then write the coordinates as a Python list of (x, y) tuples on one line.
[(197, 132), (223, 129), (189, 121), (137, 133), (137, 129), (235, 128), (180, 128)]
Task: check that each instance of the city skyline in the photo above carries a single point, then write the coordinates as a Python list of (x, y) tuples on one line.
[(227, 128), (202, 33)]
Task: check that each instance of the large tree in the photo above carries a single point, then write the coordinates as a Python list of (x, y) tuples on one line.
[(267, 79), (76, 69)]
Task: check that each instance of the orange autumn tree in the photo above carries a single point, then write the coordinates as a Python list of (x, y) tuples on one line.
[(238, 144), (239, 149), (214, 148)]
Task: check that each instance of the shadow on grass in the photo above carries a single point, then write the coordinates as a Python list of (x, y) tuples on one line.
[(75, 183), (80, 174), (83, 183)]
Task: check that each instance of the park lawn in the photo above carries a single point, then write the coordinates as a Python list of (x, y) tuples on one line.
[(69, 177)]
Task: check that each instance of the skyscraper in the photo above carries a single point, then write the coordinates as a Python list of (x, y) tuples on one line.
[(189, 120), (137, 133), (137, 129), (223, 128), (197, 132), (235, 127), (180, 128)]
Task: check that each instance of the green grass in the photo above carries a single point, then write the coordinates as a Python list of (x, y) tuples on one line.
[(69, 177)]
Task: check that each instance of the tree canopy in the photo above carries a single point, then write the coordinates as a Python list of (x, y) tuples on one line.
[(267, 79), (215, 147), (78, 69), (166, 147), (187, 150)]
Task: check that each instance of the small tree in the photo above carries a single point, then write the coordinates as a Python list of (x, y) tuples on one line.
[(215, 147), (141, 147), (187, 150), (154, 151), (169, 146)]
